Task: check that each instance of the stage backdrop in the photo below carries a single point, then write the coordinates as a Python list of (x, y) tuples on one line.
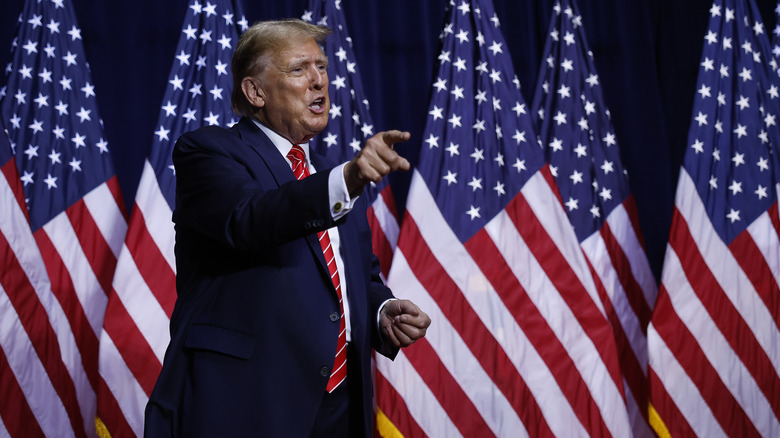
[(647, 53)]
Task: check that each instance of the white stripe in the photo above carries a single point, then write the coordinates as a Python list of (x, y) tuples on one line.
[(387, 221), (765, 237), (141, 304), (483, 299), (562, 321), (626, 236), (14, 226), (90, 294), (720, 261), (120, 380), (596, 250), (3, 430), (157, 214), (30, 373), (681, 389), (421, 403), (104, 210), (456, 356), (546, 207), (716, 348)]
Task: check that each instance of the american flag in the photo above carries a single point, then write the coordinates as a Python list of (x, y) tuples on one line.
[(714, 344), (350, 125), (77, 221), (135, 332), (776, 41), (519, 343), (580, 144)]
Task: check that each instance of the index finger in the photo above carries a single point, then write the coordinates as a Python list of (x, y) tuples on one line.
[(394, 136)]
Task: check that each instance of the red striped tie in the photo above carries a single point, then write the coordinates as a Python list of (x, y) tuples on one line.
[(301, 171)]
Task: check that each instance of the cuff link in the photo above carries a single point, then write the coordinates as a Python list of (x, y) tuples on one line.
[(337, 207)]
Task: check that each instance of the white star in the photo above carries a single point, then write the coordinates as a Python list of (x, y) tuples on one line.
[(75, 165), (460, 64), (479, 126), (569, 38), (560, 118), (88, 89), (733, 215), (713, 183), (224, 42), (367, 130), (190, 32), (31, 47), (581, 150), (595, 211), (495, 76), (499, 188), (184, 58), (190, 115), (45, 75), (556, 144), (743, 102), (51, 181), (473, 212), (27, 178), (444, 57), (205, 35), (761, 192), (170, 109), (330, 139), (707, 64), (35, 21), (59, 132), (464, 8), (478, 154), (20, 97), (102, 146), (763, 164), (495, 48), (475, 183), (592, 80), (576, 177), (36, 126), (55, 157), (26, 72), (567, 65), (457, 92), (452, 149), (741, 130), (65, 83), (499, 160), (704, 91), (451, 178), (701, 118), (340, 82), (436, 112), (162, 133), (519, 136), (83, 114), (78, 140), (735, 187), (341, 54), (481, 97), (455, 120), (335, 111), (49, 49), (519, 108), (31, 151), (355, 145), (463, 36), (42, 100), (564, 91), (75, 33), (216, 92), (519, 165), (195, 90), (440, 84), (212, 119), (496, 104), (607, 167), (738, 159), (746, 74), (432, 141), (605, 194), (572, 204)]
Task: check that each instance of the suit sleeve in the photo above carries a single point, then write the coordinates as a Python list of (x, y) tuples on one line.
[(232, 194)]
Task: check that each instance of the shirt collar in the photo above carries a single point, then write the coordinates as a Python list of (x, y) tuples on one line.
[(282, 144)]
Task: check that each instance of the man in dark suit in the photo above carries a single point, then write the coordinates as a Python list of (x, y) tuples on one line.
[(279, 297)]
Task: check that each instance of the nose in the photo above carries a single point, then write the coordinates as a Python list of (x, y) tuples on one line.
[(318, 77)]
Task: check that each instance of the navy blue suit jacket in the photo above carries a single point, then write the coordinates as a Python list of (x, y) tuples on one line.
[(252, 338)]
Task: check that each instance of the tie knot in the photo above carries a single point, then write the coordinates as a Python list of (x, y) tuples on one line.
[(297, 154), (298, 160)]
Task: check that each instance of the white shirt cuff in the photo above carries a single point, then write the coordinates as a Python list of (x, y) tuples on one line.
[(338, 195)]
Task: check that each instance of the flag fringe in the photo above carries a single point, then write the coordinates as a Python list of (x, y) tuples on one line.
[(386, 427), (101, 429), (657, 423)]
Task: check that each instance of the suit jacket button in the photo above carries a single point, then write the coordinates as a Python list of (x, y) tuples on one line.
[(335, 317), (325, 372)]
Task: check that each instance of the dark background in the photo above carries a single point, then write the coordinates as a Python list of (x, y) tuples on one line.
[(647, 54)]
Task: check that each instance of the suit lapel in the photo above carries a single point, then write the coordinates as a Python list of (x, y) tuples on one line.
[(280, 169)]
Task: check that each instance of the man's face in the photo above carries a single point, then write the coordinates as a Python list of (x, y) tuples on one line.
[(295, 89)]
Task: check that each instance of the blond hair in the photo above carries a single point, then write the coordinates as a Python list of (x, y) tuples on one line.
[(258, 44)]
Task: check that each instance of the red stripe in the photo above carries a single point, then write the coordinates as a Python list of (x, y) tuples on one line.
[(756, 268), (629, 363), (688, 352), (96, 249), (151, 263), (12, 177), (633, 215), (395, 409), (565, 282), (631, 287), (468, 324), (673, 419), (35, 321), (389, 199), (62, 288), (116, 192), (132, 345), (17, 416), (110, 414), (723, 313), (533, 324), (450, 395), (380, 244)]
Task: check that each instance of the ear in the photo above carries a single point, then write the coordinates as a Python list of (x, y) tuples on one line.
[(253, 91)]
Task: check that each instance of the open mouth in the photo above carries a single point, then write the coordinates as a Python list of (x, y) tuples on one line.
[(318, 105)]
